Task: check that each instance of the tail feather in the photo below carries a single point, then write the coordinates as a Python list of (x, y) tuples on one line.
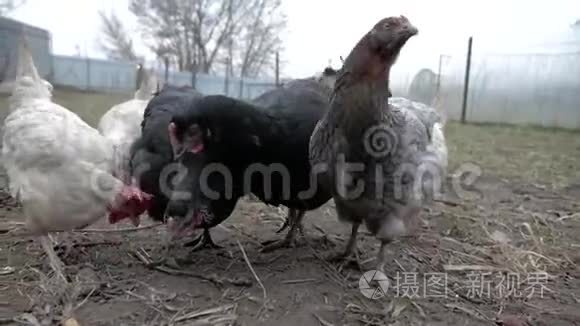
[(438, 141), (148, 87), (26, 67), (28, 83), (439, 107)]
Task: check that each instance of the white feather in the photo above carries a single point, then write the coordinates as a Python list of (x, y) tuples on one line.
[(58, 166), (121, 125), (434, 122)]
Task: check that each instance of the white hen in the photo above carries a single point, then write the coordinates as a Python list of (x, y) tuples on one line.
[(121, 125), (58, 166)]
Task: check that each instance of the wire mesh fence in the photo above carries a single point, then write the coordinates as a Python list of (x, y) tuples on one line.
[(39, 42), (109, 76), (537, 89)]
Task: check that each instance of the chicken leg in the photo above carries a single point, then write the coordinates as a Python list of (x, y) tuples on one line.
[(394, 226), (294, 220), (55, 263), (287, 223), (381, 256), (350, 247), (202, 241)]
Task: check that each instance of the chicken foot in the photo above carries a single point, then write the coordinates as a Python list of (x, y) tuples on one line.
[(287, 223), (294, 220), (202, 241), (350, 250), (394, 226), (55, 263)]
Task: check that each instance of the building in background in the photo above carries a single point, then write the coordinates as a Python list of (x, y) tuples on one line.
[(39, 41)]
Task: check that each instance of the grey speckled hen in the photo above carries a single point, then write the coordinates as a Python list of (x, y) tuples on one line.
[(383, 162)]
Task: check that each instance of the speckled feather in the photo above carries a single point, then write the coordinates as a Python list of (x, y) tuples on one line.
[(360, 101)]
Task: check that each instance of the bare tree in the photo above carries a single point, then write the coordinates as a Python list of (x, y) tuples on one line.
[(200, 33), (115, 41), (7, 6), (259, 37)]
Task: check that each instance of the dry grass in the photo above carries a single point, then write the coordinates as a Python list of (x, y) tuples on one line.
[(500, 230), (532, 154), (88, 105), (523, 245)]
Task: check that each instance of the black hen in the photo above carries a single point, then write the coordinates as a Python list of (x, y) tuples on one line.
[(152, 152), (231, 148)]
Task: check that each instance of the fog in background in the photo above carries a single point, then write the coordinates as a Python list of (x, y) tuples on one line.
[(323, 30)]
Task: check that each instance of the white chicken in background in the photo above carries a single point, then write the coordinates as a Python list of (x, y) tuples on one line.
[(121, 125), (59, 167), (434, 119)]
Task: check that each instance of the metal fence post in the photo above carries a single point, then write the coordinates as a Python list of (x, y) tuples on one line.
[(166, 62), (439, 70), (227, 78), (194, 75), (277, 69), (139, 76), (88, 73), (466, 83)]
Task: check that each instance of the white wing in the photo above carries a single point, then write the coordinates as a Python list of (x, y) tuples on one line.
[(44, 134), (56, 164), (121, 125)]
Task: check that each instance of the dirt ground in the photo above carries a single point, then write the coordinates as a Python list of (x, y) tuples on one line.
[(508, 253)]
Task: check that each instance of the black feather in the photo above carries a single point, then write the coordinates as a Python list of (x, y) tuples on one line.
[(274, 128), (152, 151)]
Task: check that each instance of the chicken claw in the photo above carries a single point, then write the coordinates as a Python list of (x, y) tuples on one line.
[(55, 263), (202, 241), (284, 226), (350, 254), (294, 221), (344, 260)]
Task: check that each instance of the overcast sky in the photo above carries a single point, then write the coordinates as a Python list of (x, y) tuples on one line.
[(319, 30)]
